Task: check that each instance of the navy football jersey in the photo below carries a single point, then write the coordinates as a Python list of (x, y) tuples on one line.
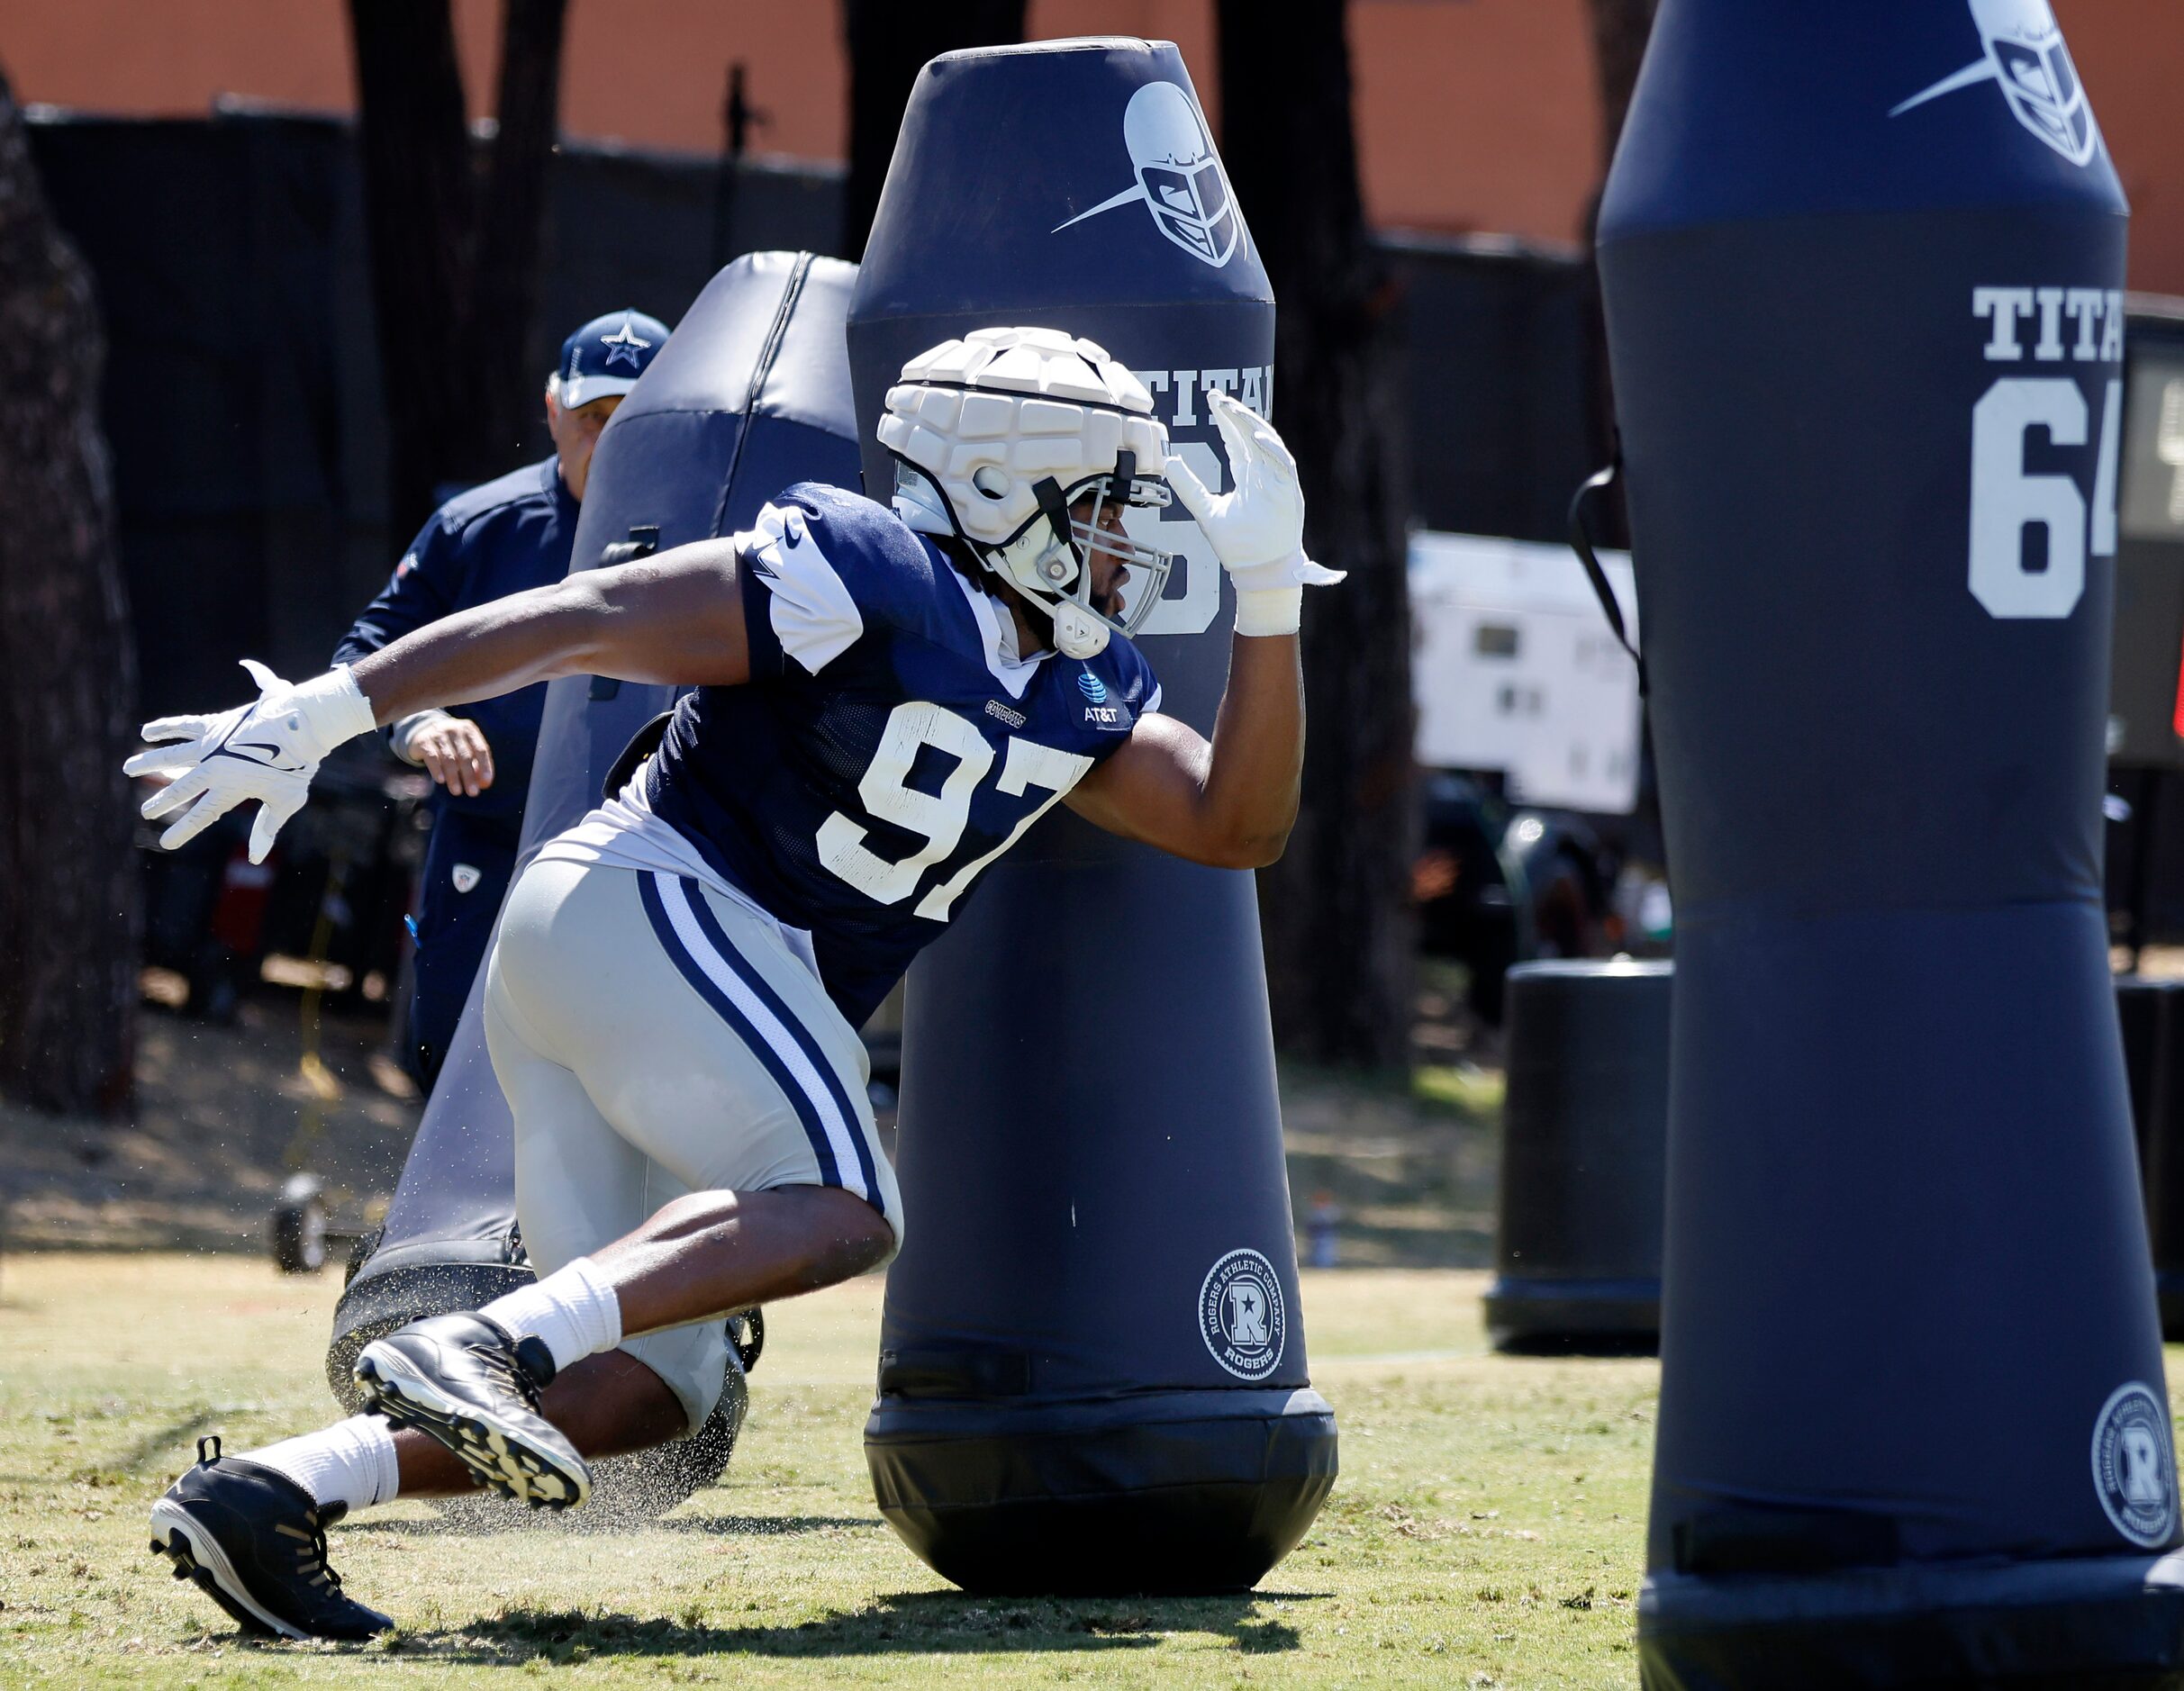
[(886, 748)]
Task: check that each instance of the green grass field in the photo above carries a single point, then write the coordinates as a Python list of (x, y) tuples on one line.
[(1487, 1529)]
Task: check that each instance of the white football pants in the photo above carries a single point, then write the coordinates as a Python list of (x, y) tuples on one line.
[(653, 1039)]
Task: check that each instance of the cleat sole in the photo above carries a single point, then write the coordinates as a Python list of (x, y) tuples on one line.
[(198, 1557), (499, 1457)]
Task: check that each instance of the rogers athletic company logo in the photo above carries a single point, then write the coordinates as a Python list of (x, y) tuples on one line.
[(1180, 177), (1241, 1316), (2134, 1469), (2026, 57)]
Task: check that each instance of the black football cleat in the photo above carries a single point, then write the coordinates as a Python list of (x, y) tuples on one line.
[(471, 1384), (254, 1542)]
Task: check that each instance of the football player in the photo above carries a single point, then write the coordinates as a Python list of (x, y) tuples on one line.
[(884, 702)]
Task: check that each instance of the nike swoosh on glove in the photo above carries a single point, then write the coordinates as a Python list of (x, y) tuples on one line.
[(267, 751), (1258, 531)]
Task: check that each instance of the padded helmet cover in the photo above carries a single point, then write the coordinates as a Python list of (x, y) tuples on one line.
[(985, 421)]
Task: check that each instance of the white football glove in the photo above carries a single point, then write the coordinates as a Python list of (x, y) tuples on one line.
[(267, 751), (1258, 531)]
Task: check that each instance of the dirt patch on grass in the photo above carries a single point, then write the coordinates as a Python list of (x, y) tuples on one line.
[(225, 1115)]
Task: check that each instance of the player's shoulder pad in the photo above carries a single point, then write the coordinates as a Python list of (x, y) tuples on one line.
[(531, 483), (863, 540), (836, 564)]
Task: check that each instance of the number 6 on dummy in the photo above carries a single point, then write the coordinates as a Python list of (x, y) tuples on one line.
[(2033, 529)]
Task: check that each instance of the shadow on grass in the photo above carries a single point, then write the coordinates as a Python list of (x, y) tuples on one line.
[(921, 1621), (164, 1445)]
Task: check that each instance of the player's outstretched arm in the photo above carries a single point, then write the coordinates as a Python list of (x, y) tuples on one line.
[(676, 619), (1230, 803)]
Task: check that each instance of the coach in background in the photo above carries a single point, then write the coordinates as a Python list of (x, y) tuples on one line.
[(504, 538)]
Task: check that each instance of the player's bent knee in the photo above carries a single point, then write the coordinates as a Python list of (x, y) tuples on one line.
[(858, 1236)]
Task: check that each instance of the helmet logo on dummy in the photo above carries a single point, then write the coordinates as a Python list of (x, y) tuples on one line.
[(1179, 175), (2027, 57), (2134, 1470), (465, 877), (1240, 1315)]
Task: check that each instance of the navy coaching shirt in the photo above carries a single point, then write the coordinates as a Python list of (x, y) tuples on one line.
[(503, 537), (886, 748)]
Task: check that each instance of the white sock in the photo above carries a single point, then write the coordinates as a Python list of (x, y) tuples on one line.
[(350, 1462), (572, 1310)]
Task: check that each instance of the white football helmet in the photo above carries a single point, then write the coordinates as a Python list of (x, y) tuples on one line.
[(996, 436)]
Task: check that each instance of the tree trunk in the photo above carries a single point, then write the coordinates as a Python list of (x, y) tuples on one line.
[(1336, 910), (418, 196), (70, 907), (454, 261), (504, 303), (1620, 30), (889, 43)]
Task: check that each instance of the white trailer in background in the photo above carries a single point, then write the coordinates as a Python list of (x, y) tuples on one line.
[(1515, 670)]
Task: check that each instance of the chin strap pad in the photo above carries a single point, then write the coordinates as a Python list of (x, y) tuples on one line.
[(1076, 632)]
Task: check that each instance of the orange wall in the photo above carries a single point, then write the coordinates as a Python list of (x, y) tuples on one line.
[(2131, 55), (1435, 81), (1478, 116), (1471, 115)]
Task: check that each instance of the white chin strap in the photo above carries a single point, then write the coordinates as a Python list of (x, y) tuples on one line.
[(1024, 563), (1076, 632)]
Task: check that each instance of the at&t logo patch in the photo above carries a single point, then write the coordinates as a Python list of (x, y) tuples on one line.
[(1240, 1315), (2134, 1470)]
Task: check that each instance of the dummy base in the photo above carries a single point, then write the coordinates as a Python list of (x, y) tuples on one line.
[(1170, 1494), (2091, 1623), (1529, 1315)]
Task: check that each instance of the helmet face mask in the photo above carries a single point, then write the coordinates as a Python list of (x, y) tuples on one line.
[(1067, 568), (1025, 446)]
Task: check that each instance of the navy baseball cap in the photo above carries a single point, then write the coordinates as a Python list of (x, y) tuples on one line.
[(605, 357)]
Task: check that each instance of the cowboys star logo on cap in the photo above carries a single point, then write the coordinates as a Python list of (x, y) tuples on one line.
[(2026, 57), (604, 359), (624, 344), (1179, 175)]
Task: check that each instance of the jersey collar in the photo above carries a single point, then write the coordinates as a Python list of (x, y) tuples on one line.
[(1014, 675)]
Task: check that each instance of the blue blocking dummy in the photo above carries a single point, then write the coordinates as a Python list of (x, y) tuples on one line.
[(751, 393), (1093, 1372), (1863, 266)]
